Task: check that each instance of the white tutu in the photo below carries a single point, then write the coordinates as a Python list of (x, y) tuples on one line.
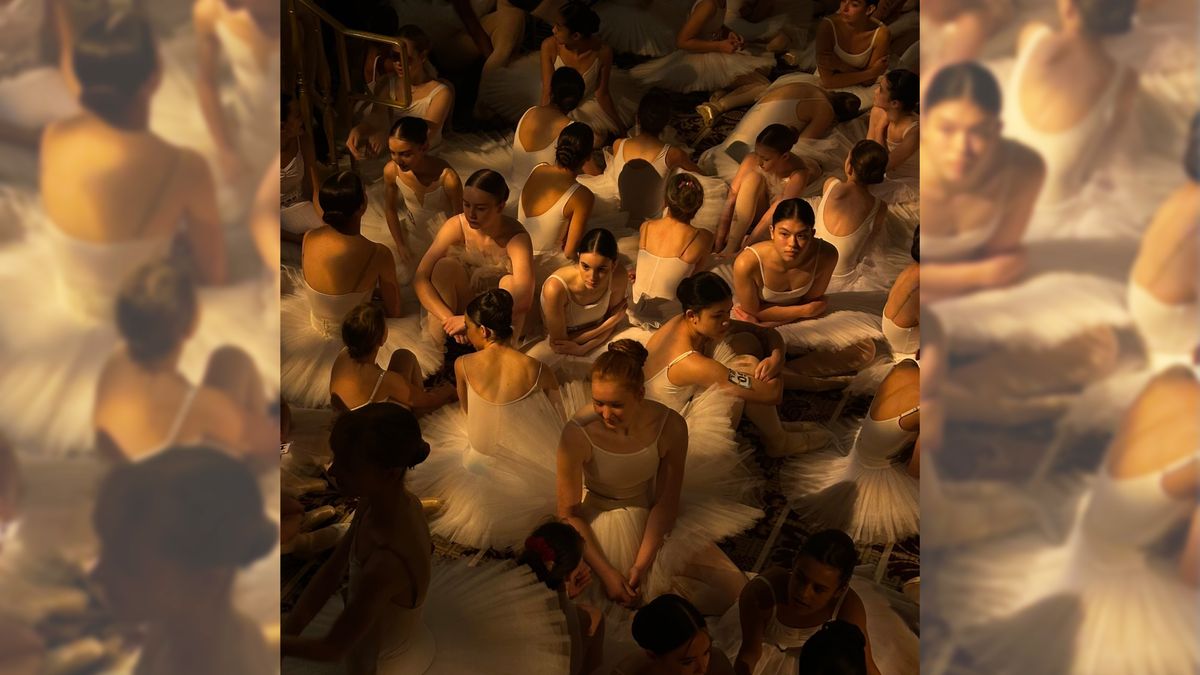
[(308, 351), (894, 646), (468, 153), (1072, 286), (53, 357), (873, 504), (419, 231), (633, 27), (1113, 609), (850, 318), (493, 618), (491, 501), (686, 72), (793, 17)]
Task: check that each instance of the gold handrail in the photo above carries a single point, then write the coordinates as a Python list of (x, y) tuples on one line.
[(348, 98)]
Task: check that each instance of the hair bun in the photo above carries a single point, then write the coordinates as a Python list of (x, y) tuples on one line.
[(631, 348)]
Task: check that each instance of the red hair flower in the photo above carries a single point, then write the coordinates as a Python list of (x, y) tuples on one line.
[(539, 546)]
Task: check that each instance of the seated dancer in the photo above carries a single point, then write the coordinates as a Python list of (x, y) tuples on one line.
[(851, 219), (900, 323), (709, 57), (674, 639), (496, 478), (357, 379), (144, 404), (583, 303), (852, 47), (432, 99), (575, 44), (895, 122), (868, 493), (535, 138), (340, 269), (781, 609), (670, 249), (766, 177), (299, 173), (626, 480), (553, 206), (554, 552), (174, 530), (420, 192), (703, 347), (404, 613), (811, 110), (782, 283), (473, 252)]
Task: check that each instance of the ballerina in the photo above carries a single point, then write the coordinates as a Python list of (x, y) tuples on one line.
[(1082, 95), (900, 323), (404, 613), (535, 139), (853, 27), (432, 99), (574, 44), (810, 109), (867, 493), (340, 270), (895, 124), (674, 639), (853, 220), (623, 483), (496, 479), (766, 177), (782, 284), (174, 529), (82, 243), (472, 252), (780, 610), (584, 306), (419, 188), (357, 380), (299, 178), (561, 204), (1109, 566), (248, 35), (703, 348), (156, 313), (670, 249), (554, 552)]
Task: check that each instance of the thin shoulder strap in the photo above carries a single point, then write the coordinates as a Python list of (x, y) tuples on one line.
[(180, 416), (363, 272), (378, 382), (537, 379)]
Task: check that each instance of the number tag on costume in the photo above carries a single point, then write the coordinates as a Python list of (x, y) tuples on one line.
[(741, 379)]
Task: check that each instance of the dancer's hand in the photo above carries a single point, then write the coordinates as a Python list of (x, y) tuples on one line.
[(455, 326), (730, 44), (616, 589), (769, 368), (738, 40), (579, 580)]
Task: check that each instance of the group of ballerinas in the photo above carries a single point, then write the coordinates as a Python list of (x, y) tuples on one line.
[(605, 316), (133, 343), (1060, 206)]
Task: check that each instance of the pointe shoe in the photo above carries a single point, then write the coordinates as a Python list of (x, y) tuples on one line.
[(709, 114)]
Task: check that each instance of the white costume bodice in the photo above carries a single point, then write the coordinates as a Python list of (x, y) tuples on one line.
[(327, 310), (659, 387), (911, 167), (850, 247), (659, 162), (90, 274), (580, 315), (782, 297), (591, 77), (1170, 333), (525, 161), (904, 341), (879, 440), (658, 278), (418, 108), (618, 479), (487, 422), (1131, 513), (433, 205), (546, 229), (860, 60), (786, 638), (711, 30)]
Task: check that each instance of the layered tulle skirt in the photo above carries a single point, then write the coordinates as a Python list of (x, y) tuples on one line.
[(686, 72)]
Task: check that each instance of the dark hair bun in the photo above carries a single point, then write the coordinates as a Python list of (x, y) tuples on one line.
[(363, 330), (113, 58), (666, 623), (684, 196), (778, 137), (701, 290), (575, 144), (1107, 17), (566, 89), (342, 198), (869, 160), (490, 182), (493, 309), (411, 129), (155, 310), (631, 348), (387, 435), (579, 18)]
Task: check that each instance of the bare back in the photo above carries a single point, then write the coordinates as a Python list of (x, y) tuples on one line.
[(501, 374), (671, 238), (336, 264), (1167, 261), (540, 127)]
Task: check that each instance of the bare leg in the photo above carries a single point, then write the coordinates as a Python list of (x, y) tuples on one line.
[(821, 370), (750, 205), (233, 372), (746, 90), (405, 364), (453, 287), (779, 43)]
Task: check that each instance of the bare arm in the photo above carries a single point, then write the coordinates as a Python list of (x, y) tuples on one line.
[(460, 380), (448, 236), (877, 126), (753, 605), (573, 453), (703, 371), (452, 184), (554, 311), (204, 232), (688, 37), (548, 54), (668, 485), (746, 282), (326, 582), (820, 124), (580, 209), (794, 188), (594, 337), (418, 399), (747, 167), (907, 147), (677, 158), (603, 96), (207, 89), (389, 285), (520, 251), (264, 218), (854, 612), (391, 208), (470, 22), (379, 576)]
